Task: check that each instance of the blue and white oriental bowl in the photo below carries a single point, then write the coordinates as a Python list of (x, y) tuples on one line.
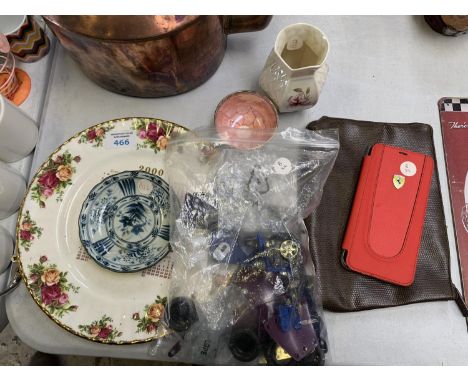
[(124, 221)]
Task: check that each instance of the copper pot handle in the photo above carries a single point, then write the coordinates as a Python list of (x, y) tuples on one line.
[(241, 24)]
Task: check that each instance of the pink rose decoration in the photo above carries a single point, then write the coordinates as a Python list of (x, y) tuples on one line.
[(104, 332), (152, 135), (26, 235), (50, 294), (43, 259), (154, 132), (91, 135), (151, 126), (142, 134), (136, 316), (47, 192), (48, 180), (34, 278), (294, 101), (63, 298), (150, 328), (299, 99), (77, 159)]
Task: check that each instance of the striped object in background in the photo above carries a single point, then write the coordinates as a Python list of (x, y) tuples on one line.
[(30, 42)]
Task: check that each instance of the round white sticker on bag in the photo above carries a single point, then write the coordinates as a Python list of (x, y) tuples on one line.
[(282, 166), (408, 168)]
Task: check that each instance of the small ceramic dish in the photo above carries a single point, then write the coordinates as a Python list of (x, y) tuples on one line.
[(124, 221), (246, 119)]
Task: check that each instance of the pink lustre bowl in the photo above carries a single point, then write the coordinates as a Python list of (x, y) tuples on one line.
[(246, 119)]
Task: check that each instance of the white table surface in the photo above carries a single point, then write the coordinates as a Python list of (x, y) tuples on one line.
[(392, 69)]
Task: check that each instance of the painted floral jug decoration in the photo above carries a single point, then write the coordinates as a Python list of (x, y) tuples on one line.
[(295, 71)]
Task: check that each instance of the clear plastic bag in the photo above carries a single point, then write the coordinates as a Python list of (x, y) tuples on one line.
[(243, 284)]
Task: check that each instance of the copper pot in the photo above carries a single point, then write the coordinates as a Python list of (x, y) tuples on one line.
[(150, 56)]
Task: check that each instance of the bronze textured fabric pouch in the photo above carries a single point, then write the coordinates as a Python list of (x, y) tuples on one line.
[(343, 290)]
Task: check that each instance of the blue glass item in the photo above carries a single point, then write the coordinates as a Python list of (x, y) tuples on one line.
[(124, 221)]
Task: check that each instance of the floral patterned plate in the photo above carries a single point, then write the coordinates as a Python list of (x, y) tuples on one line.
[(71, 288)]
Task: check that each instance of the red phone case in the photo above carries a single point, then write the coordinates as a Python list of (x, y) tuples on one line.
[(384, 230)]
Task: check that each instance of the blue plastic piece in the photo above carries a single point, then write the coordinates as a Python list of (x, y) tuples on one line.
[(288, 318), (261, 243)]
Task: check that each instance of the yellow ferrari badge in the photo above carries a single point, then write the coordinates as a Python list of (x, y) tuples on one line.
[(398, 181)]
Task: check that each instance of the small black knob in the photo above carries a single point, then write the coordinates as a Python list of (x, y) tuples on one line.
[(244, 345), (182, 314)]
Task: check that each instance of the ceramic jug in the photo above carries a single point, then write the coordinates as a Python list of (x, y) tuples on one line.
[(295, 71)]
